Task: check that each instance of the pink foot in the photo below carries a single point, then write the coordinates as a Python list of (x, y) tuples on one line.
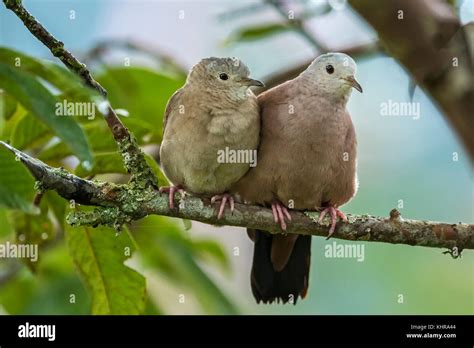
[(280, 212), (334, 212), (223, 199), (171, 190)]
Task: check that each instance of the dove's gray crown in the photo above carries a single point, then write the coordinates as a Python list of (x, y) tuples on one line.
[(232, 66), (337, 59)]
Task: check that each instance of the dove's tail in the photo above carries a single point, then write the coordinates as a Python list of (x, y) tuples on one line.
[(291, 281)]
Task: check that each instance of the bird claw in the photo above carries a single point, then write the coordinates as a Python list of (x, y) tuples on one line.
[(280, 212), (335, 213), (171, 190), (223, 199)]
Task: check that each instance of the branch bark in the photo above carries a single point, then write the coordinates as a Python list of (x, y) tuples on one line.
[(428, 39), (119, 205)]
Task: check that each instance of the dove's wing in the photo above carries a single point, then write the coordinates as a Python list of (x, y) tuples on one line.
[(171, 106)]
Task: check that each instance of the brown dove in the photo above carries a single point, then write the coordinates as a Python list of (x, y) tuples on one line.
[(212, 114), (306, 161)]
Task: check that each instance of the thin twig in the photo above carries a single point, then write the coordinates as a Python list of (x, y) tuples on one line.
[(298, 24)]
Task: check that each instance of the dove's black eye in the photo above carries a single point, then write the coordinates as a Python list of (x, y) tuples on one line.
[(223, 76), (329, 69)]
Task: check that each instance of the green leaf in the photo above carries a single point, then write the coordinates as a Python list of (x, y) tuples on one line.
[(7, 105), (16, 184), (104, 163), (152, 308), (10, 124), (144, 93), (27, 131), (162, 180), (257, 32), (99, 136), (99, 256), (48, 290), (42, 104), (2, 112), (100, 139), (57, 204), (173, 254), (112, 162), (211, 250), (6, 229), (187, 224), (58, 76), (15, 295), (32, 230), (210, 296), (55, 152)]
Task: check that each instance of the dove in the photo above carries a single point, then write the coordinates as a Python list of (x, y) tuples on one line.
[(306, 161), (214, 111)]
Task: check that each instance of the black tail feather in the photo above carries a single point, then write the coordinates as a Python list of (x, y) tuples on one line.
[(287, 285)]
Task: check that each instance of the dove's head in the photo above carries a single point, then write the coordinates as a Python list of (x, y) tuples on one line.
[(334, 73), (226, 76)]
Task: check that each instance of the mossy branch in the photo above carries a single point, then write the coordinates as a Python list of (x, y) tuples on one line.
[(120, 204)]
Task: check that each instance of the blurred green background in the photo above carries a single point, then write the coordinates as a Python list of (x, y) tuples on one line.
[(141, 53)]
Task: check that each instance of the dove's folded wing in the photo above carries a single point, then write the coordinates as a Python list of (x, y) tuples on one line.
[(173, 105)]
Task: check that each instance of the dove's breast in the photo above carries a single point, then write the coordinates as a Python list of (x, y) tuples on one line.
[(206, 156), (307, 153), (324, 170)]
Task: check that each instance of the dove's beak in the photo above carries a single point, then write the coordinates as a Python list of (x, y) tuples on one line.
[(251, 82), (353, 82)]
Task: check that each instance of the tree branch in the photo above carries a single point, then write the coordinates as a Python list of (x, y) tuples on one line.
[(428, 39), (121, 205), (134, 160)]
